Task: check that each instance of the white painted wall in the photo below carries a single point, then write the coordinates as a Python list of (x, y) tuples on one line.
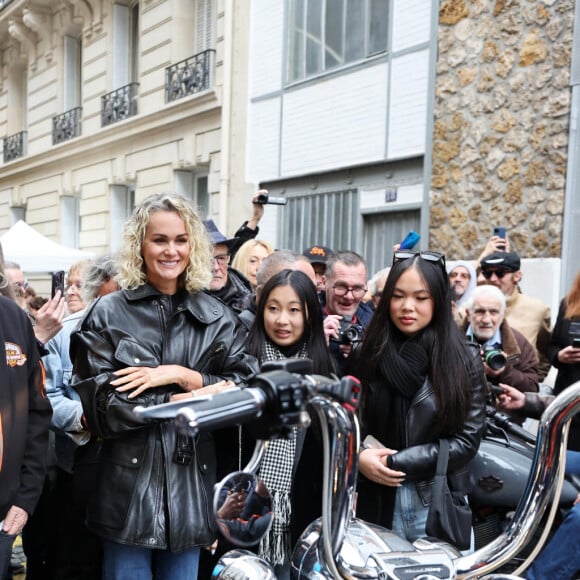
[(266, 46), (368, 115), (411, 23), (337, 122), (408, 105)]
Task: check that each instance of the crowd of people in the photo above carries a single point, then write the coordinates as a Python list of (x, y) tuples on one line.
[(183, 311)]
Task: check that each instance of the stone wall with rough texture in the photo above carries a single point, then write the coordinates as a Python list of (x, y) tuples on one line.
[(502, 102)]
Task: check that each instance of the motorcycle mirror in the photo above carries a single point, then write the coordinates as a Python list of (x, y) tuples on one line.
[(243, 508)]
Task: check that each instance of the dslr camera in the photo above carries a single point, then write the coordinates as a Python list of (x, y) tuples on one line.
[(494, 358), (348, 332)]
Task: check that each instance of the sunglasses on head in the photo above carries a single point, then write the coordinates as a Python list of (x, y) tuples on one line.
[(427, 255), (487, 274)]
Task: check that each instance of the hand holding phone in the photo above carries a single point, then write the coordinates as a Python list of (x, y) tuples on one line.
[(57, 283), (500, 232), (576, 342)]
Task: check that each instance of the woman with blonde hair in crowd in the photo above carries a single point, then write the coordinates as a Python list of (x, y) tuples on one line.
[(249, 257), (160, 338)]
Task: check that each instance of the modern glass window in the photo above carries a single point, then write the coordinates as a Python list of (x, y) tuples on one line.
[(328, 34)]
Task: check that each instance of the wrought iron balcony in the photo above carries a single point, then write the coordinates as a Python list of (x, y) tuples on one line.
[(189, 76), (118, 105), (66, 126), (14, 146)]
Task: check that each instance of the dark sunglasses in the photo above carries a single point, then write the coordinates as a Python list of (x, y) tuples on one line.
[(427, 255), (487, 274)]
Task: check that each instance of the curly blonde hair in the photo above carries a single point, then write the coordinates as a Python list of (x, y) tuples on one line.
[(132, 273)]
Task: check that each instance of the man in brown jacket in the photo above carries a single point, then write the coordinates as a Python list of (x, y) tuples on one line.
[(486, 325)]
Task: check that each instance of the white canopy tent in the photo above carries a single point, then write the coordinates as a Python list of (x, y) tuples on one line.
[(36, 253)]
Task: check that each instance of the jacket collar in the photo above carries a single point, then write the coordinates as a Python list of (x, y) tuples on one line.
[(201, 306)]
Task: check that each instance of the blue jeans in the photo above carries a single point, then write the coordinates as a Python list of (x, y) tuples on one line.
[(410, 515), (121, 562), (560, 559), (573, 462)]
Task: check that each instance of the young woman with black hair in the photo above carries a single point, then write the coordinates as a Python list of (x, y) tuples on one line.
[(421, 382), (288, 324)]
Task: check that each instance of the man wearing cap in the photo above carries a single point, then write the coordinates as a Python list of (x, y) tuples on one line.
[(530, 316), (229, 285), (318, 256)]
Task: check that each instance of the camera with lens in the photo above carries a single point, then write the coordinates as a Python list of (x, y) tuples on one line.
[(348, 332), (494, 358)]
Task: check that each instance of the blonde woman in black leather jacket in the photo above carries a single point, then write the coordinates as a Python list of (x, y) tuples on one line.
[(158, 339)]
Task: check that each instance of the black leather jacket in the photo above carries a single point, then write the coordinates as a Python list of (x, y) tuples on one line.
[(154, 486), (418, 458)]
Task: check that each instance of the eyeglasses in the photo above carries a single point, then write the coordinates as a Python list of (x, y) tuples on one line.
[(342, 290), (427, 255), (487, 274), (222, 259), (21, 285)]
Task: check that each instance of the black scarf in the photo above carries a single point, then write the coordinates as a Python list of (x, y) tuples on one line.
[(402, 370)]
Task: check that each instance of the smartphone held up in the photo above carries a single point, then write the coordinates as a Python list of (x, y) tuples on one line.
[(57, 283)]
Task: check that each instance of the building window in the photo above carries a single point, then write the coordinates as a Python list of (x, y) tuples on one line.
[(72, 73), (70, 221), (125, 44), (205, 23), (193, 186), (122, 204), (327, 34)]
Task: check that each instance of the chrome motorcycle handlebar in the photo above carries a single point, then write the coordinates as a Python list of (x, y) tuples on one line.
[(550, 445)]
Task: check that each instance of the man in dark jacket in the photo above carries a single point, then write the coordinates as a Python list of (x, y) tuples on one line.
[(227, 284), (346, 284), (24, 422)]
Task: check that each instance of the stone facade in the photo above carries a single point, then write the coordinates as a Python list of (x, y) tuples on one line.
[(502, 104)]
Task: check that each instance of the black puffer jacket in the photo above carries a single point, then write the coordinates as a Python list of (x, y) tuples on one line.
[(154, 487)]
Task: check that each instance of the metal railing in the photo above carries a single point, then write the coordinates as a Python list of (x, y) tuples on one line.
[(66, 126), (14, 146), (119, 104), (189, 76)]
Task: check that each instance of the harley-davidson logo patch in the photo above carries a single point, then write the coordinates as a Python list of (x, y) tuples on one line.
[(14, 355)]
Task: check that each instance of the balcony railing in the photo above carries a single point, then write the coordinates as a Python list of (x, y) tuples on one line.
[(118, 105), (14, 146), (66, 126), (189, 76)]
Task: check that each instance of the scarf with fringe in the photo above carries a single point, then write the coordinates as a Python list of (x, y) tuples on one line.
[(276, 472)]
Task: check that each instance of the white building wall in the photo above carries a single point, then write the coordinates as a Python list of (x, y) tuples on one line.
[(364, 115), (337, 122), (411, 23), (267, 39), (408, 105)]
